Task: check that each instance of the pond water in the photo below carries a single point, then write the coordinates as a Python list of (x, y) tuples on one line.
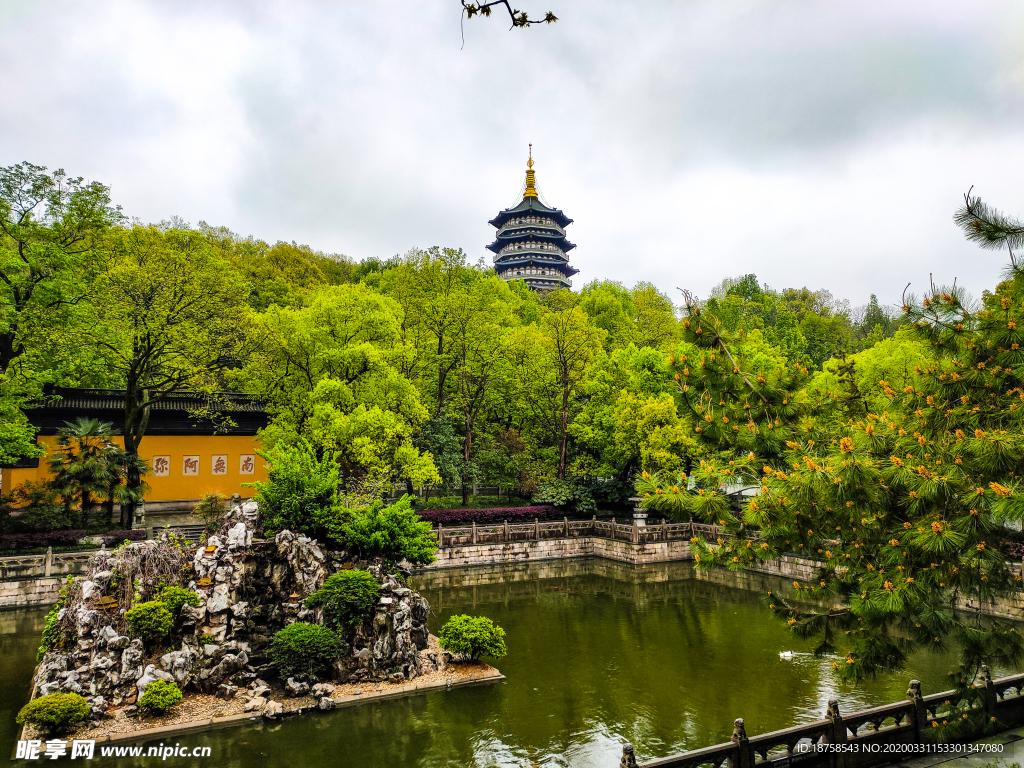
[(599, 653)]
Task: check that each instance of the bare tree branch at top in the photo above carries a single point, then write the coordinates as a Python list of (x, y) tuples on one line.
[(519, 18)]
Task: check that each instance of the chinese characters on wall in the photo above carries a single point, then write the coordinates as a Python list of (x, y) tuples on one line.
[(190, 465)]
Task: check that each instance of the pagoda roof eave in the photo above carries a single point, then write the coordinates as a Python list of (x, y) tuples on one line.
[(497, 245), (530, 205), (563, 268)]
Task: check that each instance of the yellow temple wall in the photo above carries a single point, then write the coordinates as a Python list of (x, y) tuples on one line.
[(185, 466)]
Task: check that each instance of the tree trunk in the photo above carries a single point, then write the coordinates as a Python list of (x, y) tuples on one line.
[(136, 419), (108, 507), (466, 445), (8, 350), (442, 376), (86, 503), (565, 433)]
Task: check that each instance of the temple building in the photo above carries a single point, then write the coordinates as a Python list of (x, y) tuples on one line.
[(194, 443), (530, 243)]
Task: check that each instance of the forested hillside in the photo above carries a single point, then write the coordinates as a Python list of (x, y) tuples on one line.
[(424, 367)]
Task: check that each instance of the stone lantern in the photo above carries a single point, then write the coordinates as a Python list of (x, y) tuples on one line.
[(639, 515)]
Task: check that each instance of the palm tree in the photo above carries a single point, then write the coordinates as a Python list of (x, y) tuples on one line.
[(82, 463)]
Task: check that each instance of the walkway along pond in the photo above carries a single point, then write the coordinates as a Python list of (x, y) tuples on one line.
[(600, 653)]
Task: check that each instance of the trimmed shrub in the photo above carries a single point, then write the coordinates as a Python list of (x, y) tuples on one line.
[(512, 514), (175, 597), (393, 533), (150, 621), (55, 712), (118, 537), (160, 695), (304, 650), (470, 637), (346, 597)]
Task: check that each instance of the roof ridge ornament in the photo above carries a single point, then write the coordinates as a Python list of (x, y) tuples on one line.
[(531, 183)]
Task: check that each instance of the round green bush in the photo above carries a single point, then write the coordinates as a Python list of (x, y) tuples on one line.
[(150, 621), (55, 712), (160, 695), (346, 597), (175, 597), (303, 650), (470, 637)]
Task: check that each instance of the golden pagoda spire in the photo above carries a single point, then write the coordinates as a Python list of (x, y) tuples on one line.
[(531, 183)]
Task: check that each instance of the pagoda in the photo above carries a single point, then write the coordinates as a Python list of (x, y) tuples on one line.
[(530, 244)]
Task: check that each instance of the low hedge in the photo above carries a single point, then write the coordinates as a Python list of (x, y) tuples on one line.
[(116, 537), (512, 514), (475, 502), (47, 539)]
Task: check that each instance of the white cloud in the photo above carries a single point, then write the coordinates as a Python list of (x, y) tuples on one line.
[(812, 143)]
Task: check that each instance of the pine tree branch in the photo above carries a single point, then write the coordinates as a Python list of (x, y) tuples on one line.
[(988, 227)]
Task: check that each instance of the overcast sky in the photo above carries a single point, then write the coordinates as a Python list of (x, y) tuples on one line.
[(824, 144)]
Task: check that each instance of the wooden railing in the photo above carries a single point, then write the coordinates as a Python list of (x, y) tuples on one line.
[(498, 533), (861, 739)]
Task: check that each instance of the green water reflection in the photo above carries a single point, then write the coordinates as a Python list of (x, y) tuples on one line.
[(599, 653)]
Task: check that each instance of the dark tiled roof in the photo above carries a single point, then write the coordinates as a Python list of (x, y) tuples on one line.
[(181, 413)]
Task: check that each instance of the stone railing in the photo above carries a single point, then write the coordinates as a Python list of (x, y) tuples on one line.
[(43, 566), (530, 222), (566, 528), (861, 739), (531, 247)]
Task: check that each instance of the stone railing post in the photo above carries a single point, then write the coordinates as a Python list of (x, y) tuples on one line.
[(664, 530), (635, 533), (920, 714), (837, 734), (593, 528), (536, 529), (48, 564), (567, 527), (988, 692), (440, 535), (743, 757), (614, 532), (507, 535), (474, 531), (628, 758)]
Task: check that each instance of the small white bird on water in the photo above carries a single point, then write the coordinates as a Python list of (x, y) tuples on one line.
[(785, 655)]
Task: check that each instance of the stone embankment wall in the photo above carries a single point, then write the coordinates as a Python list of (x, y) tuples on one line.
[(29, 591), (500, 553), (27, 580)]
